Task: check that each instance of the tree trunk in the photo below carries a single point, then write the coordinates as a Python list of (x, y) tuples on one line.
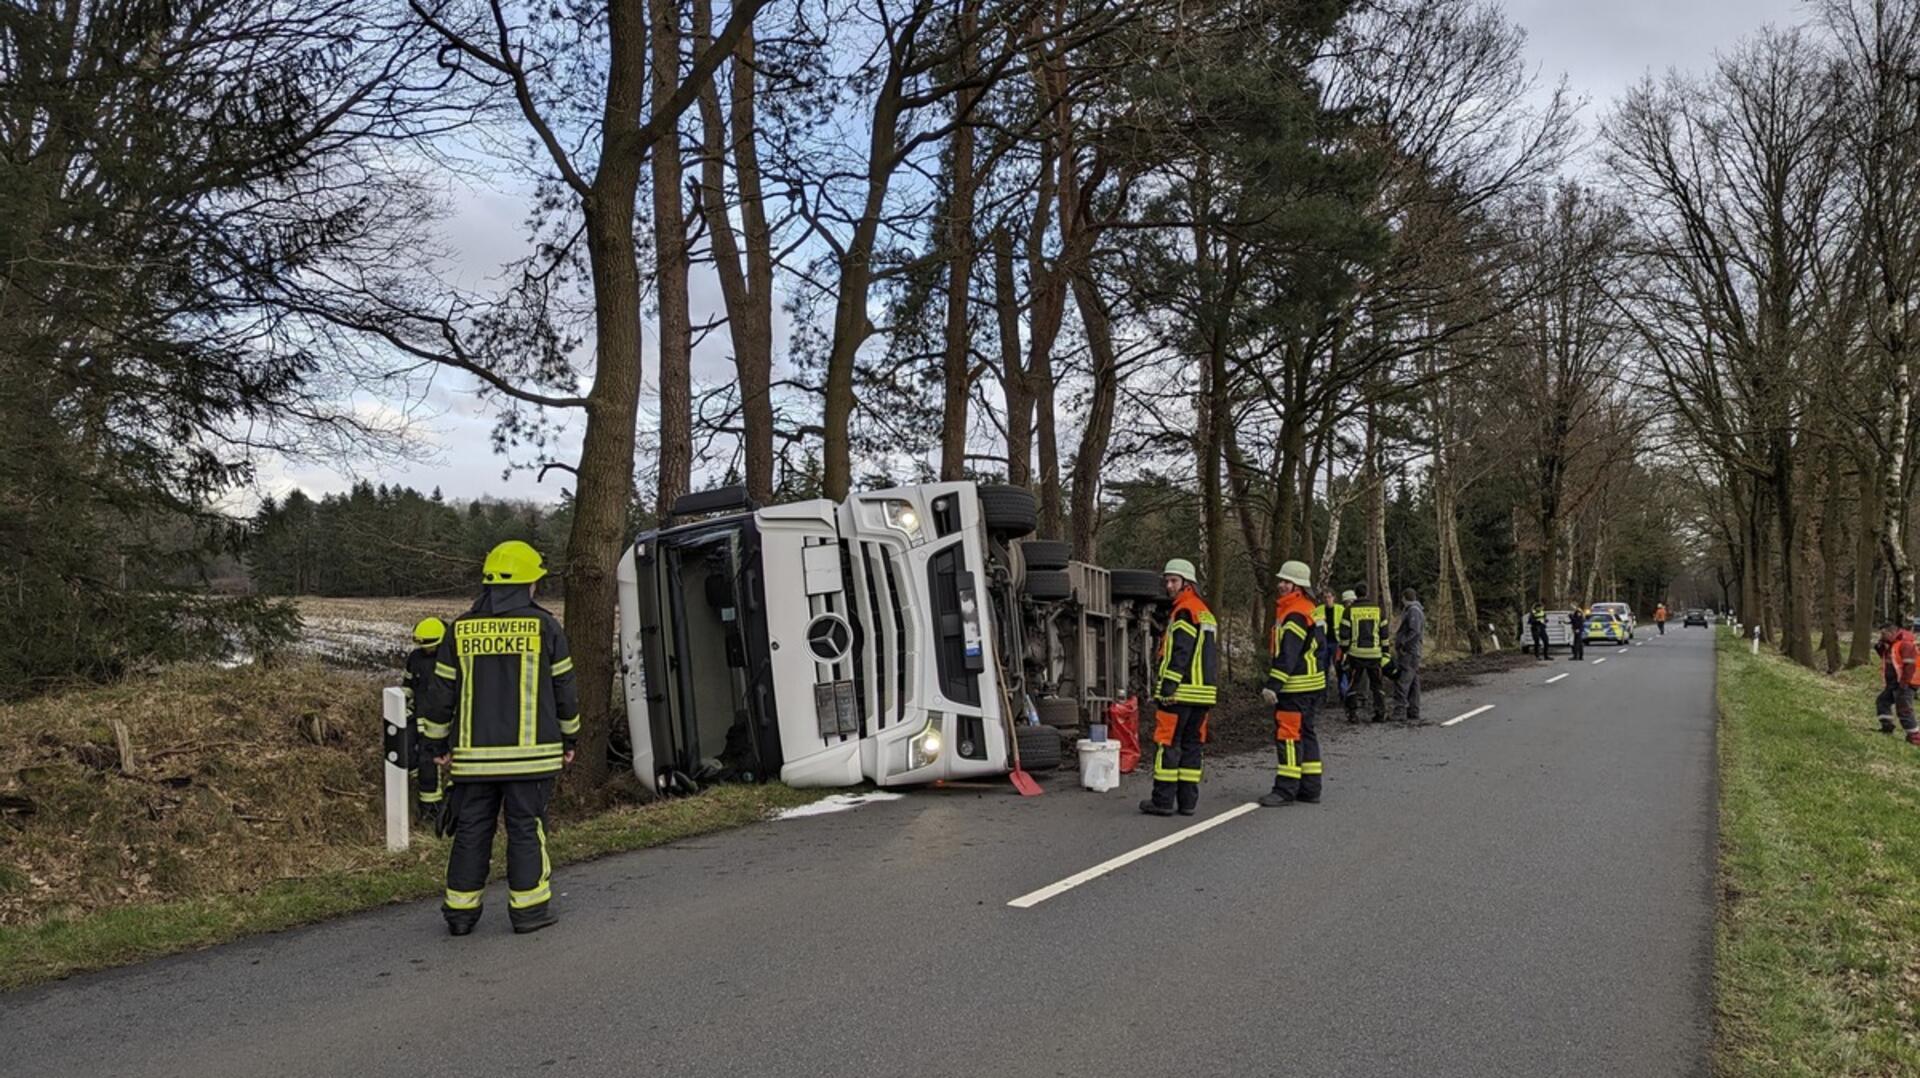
[(1893, 501), (1467, 601), (1013, 375), (1829, 525), (1097, 430), (1794, 613), (749, 295), (604, 493), (956, 381), (670, 278), (1865, 545), (1443, 617)]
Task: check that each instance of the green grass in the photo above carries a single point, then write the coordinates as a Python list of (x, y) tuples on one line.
[(64, 944), (1817, 968)]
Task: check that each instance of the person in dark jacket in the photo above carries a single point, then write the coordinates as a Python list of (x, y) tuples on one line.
[(504, 717), (426, 774), (1409, 639), (1577, 621), (1537, 625)]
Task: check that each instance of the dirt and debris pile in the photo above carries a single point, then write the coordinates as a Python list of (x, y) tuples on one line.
[(197, 780)]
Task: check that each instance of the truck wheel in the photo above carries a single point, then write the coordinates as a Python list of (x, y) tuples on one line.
[(1039, 747), (1048, 584), (1010, 512), (1046, 554), (1137, 584), (1058, 712)]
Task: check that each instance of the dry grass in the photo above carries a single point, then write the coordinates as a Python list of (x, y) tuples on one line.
[(233, 778), (247, 800)]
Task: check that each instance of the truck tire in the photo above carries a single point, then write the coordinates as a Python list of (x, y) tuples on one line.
[(1046, 554), (1058, 712), (1010, 512), (1137, 584), (1049, 584), (1039, 747)]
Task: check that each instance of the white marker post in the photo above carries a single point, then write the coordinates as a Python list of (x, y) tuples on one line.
[(1756, 639), (393, 703)]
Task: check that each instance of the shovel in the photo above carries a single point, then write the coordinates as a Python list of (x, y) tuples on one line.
[(1022, 781)]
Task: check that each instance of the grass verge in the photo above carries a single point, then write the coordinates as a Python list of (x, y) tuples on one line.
[(64, 945), (1817, 958)]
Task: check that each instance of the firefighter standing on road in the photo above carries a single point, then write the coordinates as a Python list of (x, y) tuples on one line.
[(426, 775), (1660, 618), (505, 715), (1186, 689), (1331, 616), (1899, 674), (1364, 654), (1295, 683)]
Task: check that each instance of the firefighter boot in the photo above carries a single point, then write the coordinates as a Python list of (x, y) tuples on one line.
[(1187, 796), (1886, 724), (1277, 798), (1161, 803), (532, 920)]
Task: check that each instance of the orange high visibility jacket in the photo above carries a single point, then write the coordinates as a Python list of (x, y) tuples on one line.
[(1660, 612), (1902, 659)]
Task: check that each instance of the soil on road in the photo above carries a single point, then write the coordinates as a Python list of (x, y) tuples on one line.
[(1525, 892)]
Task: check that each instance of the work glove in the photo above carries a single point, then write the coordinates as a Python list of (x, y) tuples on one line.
[(1272, 698)]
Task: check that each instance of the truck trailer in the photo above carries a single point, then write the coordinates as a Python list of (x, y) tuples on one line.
[(901, 636)]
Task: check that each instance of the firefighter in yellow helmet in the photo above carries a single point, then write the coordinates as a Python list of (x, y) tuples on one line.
[(1295, 683), (504, 715), (1185, 690), (426, 774)]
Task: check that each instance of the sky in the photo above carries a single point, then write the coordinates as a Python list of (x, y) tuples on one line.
[(1601, 47)]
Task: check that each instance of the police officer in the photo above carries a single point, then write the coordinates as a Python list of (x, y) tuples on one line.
[(1537, 624), (505, 717), (426, 775), (1577, 621), (1295, 683), (1186, 690), (1365, 650)]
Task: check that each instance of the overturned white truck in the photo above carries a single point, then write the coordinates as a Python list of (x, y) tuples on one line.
[(902, 636)]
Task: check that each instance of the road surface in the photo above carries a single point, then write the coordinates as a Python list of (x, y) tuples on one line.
[(1527, 891)]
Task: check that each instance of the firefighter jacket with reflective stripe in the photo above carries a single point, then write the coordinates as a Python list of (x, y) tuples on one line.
[(419, 682), (1900, 660), (1333, 619), (1190, 654), (503, 695), (1295, 648), (1363, 621)]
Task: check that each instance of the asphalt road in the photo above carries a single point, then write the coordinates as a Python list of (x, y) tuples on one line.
[(1526, 892)]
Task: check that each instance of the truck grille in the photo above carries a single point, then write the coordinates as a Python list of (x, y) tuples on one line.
[(883, 656)]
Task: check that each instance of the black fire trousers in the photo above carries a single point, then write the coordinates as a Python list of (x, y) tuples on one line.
[(1297, 774), (1895, 699), (1369, 670), (477, 808), (1177, 766)]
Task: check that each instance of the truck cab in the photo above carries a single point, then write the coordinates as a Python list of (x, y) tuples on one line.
[(882, 639)]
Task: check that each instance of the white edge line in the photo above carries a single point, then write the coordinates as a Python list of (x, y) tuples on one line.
[(1034, 898), (1468, 715), (1597, 662), (1556, 677)]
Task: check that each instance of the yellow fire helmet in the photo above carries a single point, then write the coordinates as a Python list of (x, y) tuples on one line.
[(429, 632), (513, 562)]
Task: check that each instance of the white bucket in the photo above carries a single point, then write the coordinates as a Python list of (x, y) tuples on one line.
[(1099, 765)]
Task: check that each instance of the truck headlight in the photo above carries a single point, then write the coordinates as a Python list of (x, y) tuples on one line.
[(905, 519), (924, 747)]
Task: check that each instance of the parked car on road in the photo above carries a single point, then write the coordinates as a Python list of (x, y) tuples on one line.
[(1604, 627), (1618, 610), (1696, 617)]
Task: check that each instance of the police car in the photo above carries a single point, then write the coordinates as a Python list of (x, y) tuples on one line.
[(1605, 627), (1620, 611)]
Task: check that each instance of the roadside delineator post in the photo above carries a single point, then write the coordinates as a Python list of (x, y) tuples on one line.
[(1756, 639), (396, 749)]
